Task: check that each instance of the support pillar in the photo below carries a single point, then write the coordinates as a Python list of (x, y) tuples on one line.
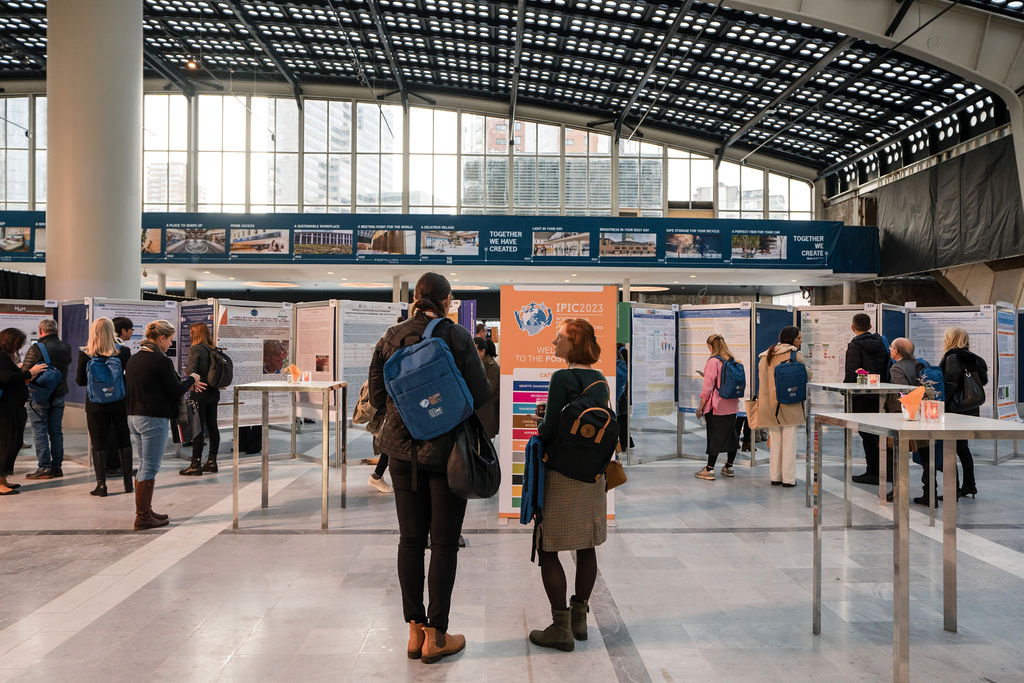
[(191, 289), (161, 283), (625, 290), (849, 293), (94, 150), (396, 289)]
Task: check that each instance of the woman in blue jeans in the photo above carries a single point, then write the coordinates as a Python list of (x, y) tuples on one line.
[(153, 388)]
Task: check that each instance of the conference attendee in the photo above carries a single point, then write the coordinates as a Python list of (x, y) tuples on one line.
[(424, 503), (575, 512), (153, 389), (46, 414), (124, 328), (867, 351), (12, 403), (490, 412), (906, 370), (199, 363), (781, 420), (481, 333), (107, 421), (957, 360), (719, 413)]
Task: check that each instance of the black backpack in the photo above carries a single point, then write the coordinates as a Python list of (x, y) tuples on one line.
[(222, 369), (586, 437)]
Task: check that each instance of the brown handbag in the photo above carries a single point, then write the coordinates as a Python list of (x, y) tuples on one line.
[(750, 408), (615, 475)]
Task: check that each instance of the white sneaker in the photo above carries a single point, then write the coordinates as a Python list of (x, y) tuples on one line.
[(379, 484)]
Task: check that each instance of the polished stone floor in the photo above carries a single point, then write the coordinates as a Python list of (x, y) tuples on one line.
[(699, 581)]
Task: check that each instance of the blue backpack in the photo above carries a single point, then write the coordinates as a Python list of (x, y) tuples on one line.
[(427, 387), (46, 382), (105, 379), (791, 381), (931, 378), (531, 502), (621, 378), (732, 381)]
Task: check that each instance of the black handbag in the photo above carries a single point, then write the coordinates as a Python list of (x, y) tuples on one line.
[(186, 425), (971, 394), (473, 468)]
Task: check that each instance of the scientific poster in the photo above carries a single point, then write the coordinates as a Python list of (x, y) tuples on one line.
[(653, 362), (695, 326), (927, 329), (360, 325), (257, 336), (141, 314), (826, 333), (24, 315), (1006, 344), (529, 318)]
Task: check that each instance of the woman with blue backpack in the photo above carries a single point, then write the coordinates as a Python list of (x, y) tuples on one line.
[(719, 404), (101, 365), (775, 411)]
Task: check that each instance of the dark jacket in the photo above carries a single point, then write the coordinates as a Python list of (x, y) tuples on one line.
[(82, 373), (394, 439), (152, 385), (903, 371), (13, 382), (866, 351), (199, 362), (60, 358), (489, 413), (953, 365)]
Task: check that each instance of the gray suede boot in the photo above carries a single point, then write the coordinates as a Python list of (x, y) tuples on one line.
[(558, 635), (579, 609)]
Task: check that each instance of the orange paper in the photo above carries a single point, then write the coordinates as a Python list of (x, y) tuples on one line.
[(912, 402), (294, 371)]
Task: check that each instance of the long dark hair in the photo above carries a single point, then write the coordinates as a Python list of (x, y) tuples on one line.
[(788, 335), (11, 341), (431, 291)]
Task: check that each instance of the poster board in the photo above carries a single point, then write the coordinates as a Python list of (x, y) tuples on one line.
[(826, 334), (652, 361), (1006, 364), (315, 327), (769, 320), (361, 324), (258, 338), (892, 321), (1020, 353), (25, 315), (696, 324), (467, 315), (529, 317)]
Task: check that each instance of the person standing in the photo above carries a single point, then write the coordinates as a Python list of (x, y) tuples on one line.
[(423, 501), (47, 415), (867, 351), (12, 403), (124, 329), (575, 512), (906, 370), (199, 363), (719, 413), (153, 389), (957, 360), (107, 420), (780, 420), (490, 412), (481, 333)]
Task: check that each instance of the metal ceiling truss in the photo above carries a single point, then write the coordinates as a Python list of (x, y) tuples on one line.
[(698, 67)]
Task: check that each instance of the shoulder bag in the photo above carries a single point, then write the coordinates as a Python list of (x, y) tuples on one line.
[(473, 468)]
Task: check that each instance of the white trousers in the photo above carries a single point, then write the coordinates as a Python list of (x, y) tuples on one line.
[(782, 453)]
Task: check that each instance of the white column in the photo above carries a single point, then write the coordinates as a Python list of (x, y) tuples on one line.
[(849, 292), (94, 148), (161, 283), (191, 289), (625, 289), (396, 289)]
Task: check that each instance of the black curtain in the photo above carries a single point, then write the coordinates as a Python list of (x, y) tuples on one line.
[(22, 286)]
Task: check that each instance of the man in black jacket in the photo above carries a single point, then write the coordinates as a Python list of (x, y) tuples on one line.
[(46, 418), (867, 351)]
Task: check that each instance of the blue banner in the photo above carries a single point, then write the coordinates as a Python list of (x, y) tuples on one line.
[(479, 240)]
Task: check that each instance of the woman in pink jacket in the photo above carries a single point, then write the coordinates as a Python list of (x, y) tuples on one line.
[(719, 413)]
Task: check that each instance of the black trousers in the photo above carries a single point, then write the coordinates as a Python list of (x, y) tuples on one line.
[(721, 437), (432, 508), (208, 419), (108, 427), (868, 404), (12, 435), (743, 426)]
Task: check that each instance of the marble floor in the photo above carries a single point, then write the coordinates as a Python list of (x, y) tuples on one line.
[(699, 581)]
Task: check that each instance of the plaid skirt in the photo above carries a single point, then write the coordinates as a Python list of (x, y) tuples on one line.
[(575, 513)]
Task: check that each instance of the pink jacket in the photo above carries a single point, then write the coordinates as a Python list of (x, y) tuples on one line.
[(709, 391)]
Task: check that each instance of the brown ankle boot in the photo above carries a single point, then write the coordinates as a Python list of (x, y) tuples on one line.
[(144, 518), (415, 639), (437, 644), (578, 611)]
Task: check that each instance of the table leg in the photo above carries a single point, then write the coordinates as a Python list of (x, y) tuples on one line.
[(325, 450), (808, 457), (295, 415), (883, 456), (949, 535), (234, 458), (342, 440), (901, 566), (848, 467), (816, 619), (265, 474), (931, 483)]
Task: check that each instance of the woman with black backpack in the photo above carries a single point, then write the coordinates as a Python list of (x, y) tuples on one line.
[(199, 362), (965, 374), (575, 512), (423, 499), (719, 413)]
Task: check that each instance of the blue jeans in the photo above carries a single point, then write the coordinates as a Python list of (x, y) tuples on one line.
[(149, 437), (46, 419)]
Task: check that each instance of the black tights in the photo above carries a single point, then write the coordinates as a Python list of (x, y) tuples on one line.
[(553, 576), (208, 418)]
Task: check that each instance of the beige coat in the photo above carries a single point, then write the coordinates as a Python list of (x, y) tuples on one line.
[(767, 400)]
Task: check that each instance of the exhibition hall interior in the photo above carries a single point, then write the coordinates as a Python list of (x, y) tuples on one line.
[(519, 340)]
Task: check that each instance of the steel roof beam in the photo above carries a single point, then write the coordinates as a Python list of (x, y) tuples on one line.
[(389, 54), (796, 85), (520, 23), (898, 19), (292, 79), (156, 62), (20, 50)]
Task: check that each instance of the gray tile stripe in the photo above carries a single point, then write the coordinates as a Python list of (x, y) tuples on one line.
[(626, 660)]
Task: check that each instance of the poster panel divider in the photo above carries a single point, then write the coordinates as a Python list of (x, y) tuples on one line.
[(1020, 356), (652, 375), (892, 321)]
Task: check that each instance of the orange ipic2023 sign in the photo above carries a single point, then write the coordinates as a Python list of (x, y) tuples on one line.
[(530, 317)]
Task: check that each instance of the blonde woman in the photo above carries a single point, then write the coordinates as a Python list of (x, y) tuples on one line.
[(105, 412), (153, 388), (781, 420), (719, 413), (957, 360)]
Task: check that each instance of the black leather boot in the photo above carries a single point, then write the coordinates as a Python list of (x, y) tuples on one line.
[(99, 464), (194, 468)]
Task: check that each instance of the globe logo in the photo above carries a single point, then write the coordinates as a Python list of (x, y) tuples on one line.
[(533, 318)]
